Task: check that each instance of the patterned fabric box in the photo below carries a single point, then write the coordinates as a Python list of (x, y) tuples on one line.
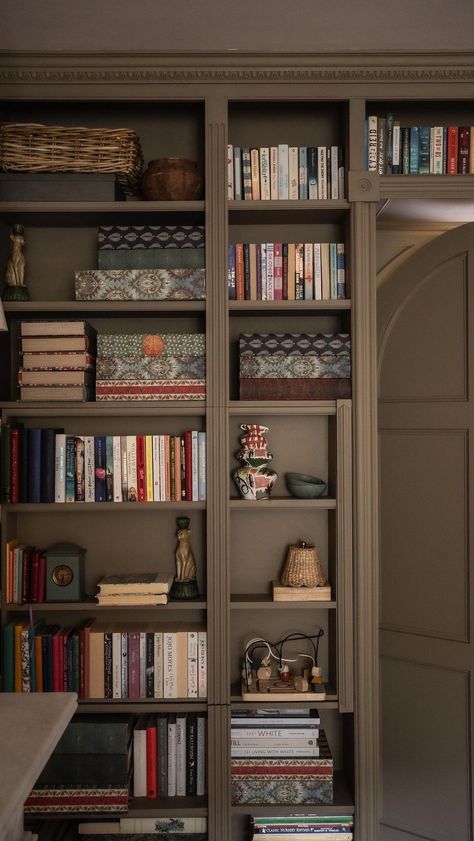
[(294, 366), (115, 237), (141, 285), (151, 258), (287, 781), (151, 366)]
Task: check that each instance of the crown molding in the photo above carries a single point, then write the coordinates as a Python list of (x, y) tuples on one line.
[(235, 66)]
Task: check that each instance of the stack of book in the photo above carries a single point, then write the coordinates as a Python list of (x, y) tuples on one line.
[(134, 589), (25, 574), (145, 829), (285, 172), (90, 769), (169, 755), (58, 360), (394, 149), (48, 465), (280, 757), (288, 271), (146, 263), (139, 366), (106, 661), (303, 828)]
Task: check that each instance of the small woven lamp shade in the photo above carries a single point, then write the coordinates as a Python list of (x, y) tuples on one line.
[(303, 567)]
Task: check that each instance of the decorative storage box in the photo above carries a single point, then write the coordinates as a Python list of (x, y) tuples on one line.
[(151, 366), (151, 246), (141, 285), (284, 781), (294, 366)]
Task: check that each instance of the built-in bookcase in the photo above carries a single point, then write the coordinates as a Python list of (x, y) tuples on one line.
[(194, 106)]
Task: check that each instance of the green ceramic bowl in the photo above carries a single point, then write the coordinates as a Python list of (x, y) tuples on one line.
[(305, 486)]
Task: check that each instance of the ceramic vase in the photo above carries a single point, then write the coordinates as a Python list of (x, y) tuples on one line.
[(254, 478)]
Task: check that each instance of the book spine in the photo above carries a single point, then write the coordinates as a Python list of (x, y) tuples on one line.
[(231, 279), (124, 664), (405, 150), (108, 677), (202, 664), (15, 458), (278, 271), (79, 476), (169, 665), (303, 173), (123, 455), (150, 665), (389, 144), (293, 175), (253, 271), (156, 468), (134, 665), (317, 276), (414, 150), (201, 756), (109, 468), (100, 488), (162, 738), (181, 755), (238, 195), (188, 463), (139, 759), (255, 174), (372, 143), (193, 680), (194, 465), (381, 144), (141, 470), (452, 151), (270, 251), (464, 150), (312, 172), (299, 271), (191, 754), (341, 270), (246, 250), (172, 755), (116, 665), (158, 664), (396, 149), (48, 464), (239, 272), (151, 759), (246, 174), (89, 468), (333, 270), (308, 259), (274, 173), (322, 173), (131, 468), (265, 193), (69, 483), (334, 172), (142, 658), (230, 171), (116, 469), (283, 173), (263, 270), (5, 489)]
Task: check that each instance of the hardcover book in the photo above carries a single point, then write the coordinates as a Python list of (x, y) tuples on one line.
[(145, 582)]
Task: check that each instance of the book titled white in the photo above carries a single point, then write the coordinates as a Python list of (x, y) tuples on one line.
[(172, 755), (283, 174), (60, 468), (259, 733), (230, 171), (169, 664), (117, 468), (202, 470), (274, 172), (237, 173), (265, 193), (252, 752), (181, 755), (372, 143), (116, 664), (193, 686), (202, 664), (293, 179), (201, 756), (132, 492), (303, 173), (89, 469), (158, 663), (322, 173), (318, 293)]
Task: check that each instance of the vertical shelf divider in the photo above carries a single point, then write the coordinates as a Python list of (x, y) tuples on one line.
[(344, 561), (217, 389)]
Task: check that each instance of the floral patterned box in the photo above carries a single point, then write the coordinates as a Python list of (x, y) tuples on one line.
[(140, 285)]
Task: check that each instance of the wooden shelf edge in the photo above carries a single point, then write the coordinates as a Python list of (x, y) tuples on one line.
[(109, 308), (125, 408), (274, 503), (288, 204), (264, 601), (271, 307), (77, 507), (85, 606), (283, 407), (122, 207)]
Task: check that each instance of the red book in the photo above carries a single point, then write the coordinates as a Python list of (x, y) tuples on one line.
[(84, 659), (26, 575), (452, 151), (141, 469), (464, 150), (188, 466), (15, 464), (151, 759), (34, 576), (42, 578), (239, 272)]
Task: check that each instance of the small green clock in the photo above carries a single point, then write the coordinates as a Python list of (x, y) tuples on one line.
[(65, 573)]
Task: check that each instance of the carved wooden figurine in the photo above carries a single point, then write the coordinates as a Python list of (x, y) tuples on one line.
[(184, 585), (15, 289)]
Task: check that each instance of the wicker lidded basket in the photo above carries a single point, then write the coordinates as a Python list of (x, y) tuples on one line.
[(303, 567), (30, 147)]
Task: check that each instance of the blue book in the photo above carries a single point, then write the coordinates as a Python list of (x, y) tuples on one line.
[(231, 271), (109, 468), (34, 465), (246, 271), (424, 150), (341, 270), (100, 468), (414, 151)]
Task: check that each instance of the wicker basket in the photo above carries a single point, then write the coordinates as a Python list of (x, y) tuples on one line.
[(303, 567), (36, 148)]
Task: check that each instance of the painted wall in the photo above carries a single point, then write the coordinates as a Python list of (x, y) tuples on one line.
[(300, 25)]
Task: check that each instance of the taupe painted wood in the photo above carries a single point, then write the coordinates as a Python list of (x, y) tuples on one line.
[(426, 323), (365, 519), (345, 616)]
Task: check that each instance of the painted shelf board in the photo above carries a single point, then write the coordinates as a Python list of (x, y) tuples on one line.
[(121, 408), (427, 186), (282, 502), (283, 407), (109, 308), (118, 507), (264, 601), (270, 307), (144, 705), (91, 605), (122, 207)]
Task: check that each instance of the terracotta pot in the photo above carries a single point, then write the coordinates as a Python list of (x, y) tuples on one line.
[(171, 179)]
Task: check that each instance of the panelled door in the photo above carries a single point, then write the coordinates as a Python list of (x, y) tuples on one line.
[(426, 426)]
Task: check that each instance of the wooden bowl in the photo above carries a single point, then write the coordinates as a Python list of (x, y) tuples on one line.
[(171, 179)]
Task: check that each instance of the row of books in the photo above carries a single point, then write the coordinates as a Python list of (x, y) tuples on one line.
[(288, 271), (48, 465), (169, 755), (394, 149), (101, 661), (285, 172), (275, 737), (58, 360), (303, 827)]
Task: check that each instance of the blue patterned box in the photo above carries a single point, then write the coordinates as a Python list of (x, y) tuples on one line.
[(140, 284)]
